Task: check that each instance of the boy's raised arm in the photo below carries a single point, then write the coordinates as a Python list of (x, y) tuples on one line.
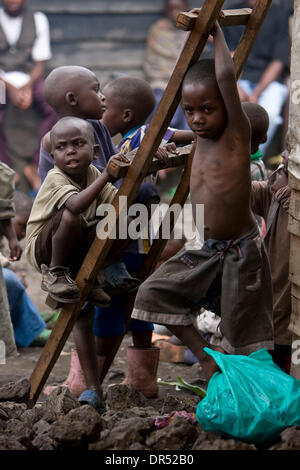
[(226, 79), (78, 203)]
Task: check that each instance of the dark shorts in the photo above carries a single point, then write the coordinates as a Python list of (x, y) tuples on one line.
[(43, 243), (230, 278)]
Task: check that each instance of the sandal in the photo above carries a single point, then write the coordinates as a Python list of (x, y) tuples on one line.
[(92, 398)]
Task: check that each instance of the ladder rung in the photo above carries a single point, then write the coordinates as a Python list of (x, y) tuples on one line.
[(119, 169), (187, 20)]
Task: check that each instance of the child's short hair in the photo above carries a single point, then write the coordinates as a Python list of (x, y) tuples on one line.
[(259, 121), (62, 80), (134, 93), (202, 71), (82, 123)]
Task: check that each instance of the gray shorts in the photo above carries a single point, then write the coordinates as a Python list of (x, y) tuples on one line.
[(230, 278)]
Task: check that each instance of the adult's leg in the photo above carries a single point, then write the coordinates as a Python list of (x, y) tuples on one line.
[(6, 327), (273, 99), (26, 320)]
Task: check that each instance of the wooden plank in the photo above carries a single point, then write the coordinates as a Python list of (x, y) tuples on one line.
[(98, 6), (294, 325), (179, 197), (294, 183), (294, 274), (103, 6), (100, 27), (248, 38), (120, 169), (294, 213), (186, 20), (295, 290), (131, 183), (103, 55), (157, 247)]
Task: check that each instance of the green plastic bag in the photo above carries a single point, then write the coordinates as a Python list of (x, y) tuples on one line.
[(251, 399)]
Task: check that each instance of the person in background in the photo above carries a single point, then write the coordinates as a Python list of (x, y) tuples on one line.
[(267, 66), (164, 44), (24, 52)]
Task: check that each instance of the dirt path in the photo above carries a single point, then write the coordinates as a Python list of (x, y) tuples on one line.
[(129, 422)]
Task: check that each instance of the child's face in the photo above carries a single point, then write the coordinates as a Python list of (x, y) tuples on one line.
[(113, 115), (204, 109), (174, 7), (72, 148), (90, 102)]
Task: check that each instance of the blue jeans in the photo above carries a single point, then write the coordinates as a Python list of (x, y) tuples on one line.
[(26, 320), (272, 100)]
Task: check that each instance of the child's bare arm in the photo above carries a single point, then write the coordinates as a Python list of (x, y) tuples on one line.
[(182, 137), (226, 79), (78, 203)]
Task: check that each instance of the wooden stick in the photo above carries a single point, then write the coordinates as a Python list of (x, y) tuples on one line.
[(131, 183), (249, 36), (120, 169), (186, 20), (136, 172)]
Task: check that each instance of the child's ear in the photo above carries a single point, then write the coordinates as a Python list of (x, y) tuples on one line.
[(96, 151), (127, 115), (71, 98)]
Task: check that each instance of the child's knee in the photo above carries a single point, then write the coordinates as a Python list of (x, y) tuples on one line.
[(70, 220), (86, 316)]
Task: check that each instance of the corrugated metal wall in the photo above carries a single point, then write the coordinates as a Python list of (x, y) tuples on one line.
[(108, 37)]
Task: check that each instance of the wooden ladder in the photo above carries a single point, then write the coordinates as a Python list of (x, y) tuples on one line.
[(199, 24)]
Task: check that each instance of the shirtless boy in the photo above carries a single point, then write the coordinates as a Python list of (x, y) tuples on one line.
[(230, 274)]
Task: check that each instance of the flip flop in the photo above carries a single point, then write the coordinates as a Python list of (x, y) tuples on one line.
[(92, 398), (118, 280)]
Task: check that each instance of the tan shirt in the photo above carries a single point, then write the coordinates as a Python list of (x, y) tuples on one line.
[(53, 194), (7, 187)]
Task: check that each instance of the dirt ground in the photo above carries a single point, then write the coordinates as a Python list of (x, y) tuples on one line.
[(23, 365), (129, 423)]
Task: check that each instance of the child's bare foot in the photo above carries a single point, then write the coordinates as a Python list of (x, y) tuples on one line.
[(209, 365)]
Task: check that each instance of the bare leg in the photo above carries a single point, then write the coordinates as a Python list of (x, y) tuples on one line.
[(67, 234), (86, 348), (107, 346), (142, 339), (191, 337)]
